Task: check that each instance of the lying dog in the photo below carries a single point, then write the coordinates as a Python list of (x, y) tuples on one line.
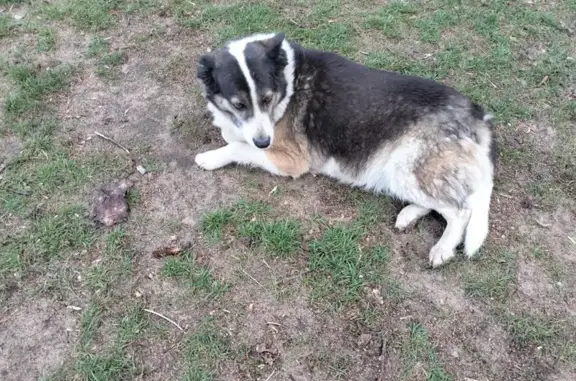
[(291, 110)]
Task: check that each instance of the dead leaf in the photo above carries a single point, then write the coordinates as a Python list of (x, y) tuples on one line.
[(166, 251)]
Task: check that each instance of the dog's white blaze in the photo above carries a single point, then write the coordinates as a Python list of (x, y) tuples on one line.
[(261, 124), (280, 109)]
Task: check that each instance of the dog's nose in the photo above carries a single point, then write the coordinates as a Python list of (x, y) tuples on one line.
[(262, 141)]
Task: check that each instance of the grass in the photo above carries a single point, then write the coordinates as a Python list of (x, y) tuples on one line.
[(204, 349), (491, 279), (341, 271), (514, 59), (199, 279), (114, 264), (46, 40), (419, 351), (48, 238), (33, 86), (527, 329), (280, 238), (5, 25)]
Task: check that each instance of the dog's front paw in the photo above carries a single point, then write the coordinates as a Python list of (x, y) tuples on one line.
[(211, 160)]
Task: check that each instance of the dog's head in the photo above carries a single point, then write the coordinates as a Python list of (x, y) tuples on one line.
[(250, 82)]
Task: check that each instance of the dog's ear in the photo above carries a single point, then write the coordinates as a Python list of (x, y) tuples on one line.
[(273, 45), (205, 72)]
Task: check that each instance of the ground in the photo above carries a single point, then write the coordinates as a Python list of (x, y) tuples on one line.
[(271, 278)]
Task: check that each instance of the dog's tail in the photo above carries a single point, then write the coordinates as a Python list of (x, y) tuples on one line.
[(478, 225)]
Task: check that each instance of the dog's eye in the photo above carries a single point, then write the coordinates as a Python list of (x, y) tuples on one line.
[(266, 99), (239, 106)]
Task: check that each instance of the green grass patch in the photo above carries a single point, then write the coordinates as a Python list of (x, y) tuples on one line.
[(198, 278), (213, 224), (45, 169), (114, 366), (97, 47), (390, 19), (108, 63), (528, 329), (230, 21), (420, 351), (33, 86), (340, 270), (5, 25), (114, 264), (85, 14), (280, 238), (46, 40), (204, 349), (51, 235), (91, 320), (492, 277)]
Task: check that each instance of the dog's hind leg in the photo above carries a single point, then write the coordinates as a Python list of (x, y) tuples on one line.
[(409, 215), (457, 220)]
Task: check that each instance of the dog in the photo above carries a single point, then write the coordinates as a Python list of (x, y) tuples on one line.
[(290, 110)]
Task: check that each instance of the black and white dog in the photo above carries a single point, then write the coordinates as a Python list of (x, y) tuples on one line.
[(291, 110)]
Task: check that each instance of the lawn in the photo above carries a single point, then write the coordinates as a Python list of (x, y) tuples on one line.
[(239, 275)]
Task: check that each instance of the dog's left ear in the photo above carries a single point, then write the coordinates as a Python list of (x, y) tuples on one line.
[(205, 72), (273, 45)]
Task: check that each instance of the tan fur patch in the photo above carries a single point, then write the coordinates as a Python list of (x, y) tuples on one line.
[(289, 150), (450, 172)]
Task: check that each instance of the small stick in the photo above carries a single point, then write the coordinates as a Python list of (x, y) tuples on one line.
[(383, 360), (271, 374), (273, 323), (3, 166), (113, 142), (165, 318), (254, 279), (542, 223), (572, 240), (267, 265)]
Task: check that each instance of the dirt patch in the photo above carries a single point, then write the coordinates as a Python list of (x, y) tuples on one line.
[(36, 337)]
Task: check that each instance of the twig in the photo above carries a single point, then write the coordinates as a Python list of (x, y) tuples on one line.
[(3, 166), (113, 142), (271, 374), (383, 360), (273, 323), (267, 265), (165, 318), (572, 240), (505, 195), (542, 223), (254, 279)]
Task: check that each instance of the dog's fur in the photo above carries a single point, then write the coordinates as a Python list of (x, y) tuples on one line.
[(291, 110)]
